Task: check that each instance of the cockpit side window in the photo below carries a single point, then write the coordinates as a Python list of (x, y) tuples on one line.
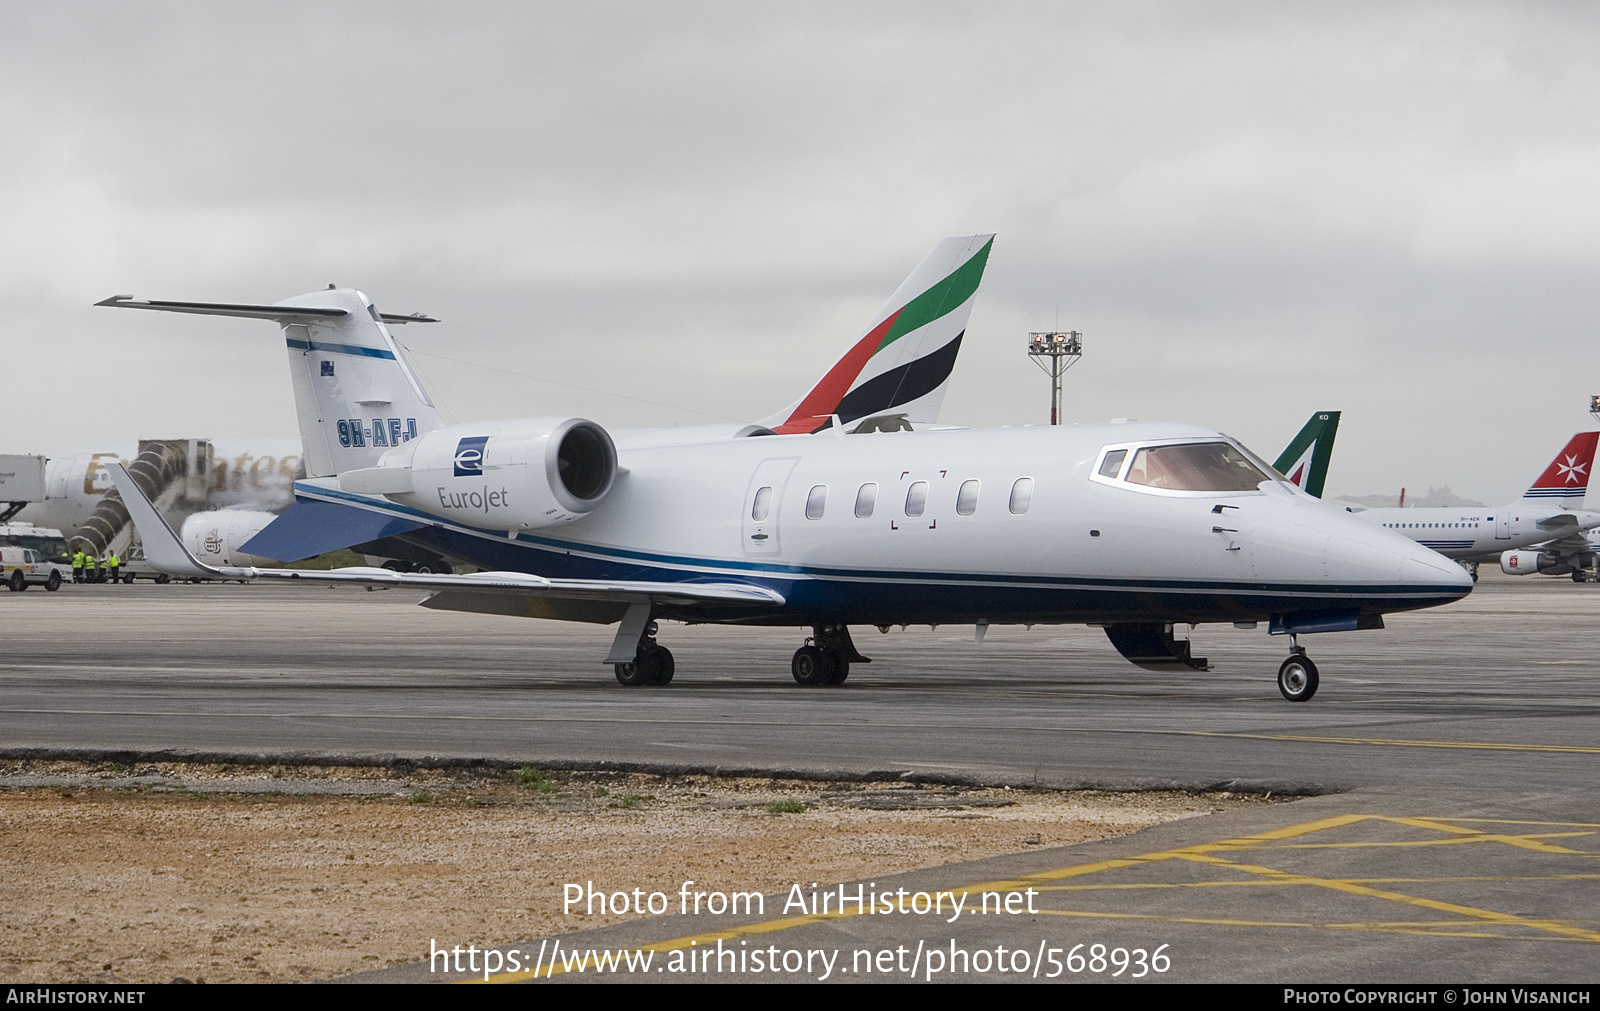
[(1112, 464), (1201, 466)]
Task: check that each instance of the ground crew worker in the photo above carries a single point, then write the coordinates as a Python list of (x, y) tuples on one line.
[(115, 563), (77, 567), (98, 575)]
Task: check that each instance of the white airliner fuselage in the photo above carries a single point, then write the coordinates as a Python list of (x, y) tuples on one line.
[(1481, 534)]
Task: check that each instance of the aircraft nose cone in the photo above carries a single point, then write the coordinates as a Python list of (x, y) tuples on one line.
[(1426, 567), (1359, 551)]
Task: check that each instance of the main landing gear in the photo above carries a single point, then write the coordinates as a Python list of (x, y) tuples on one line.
[(651, 664), (826, 657), (1297, 677)]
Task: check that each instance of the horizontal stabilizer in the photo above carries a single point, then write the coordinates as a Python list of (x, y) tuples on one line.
[(277, 312), (308, 529)]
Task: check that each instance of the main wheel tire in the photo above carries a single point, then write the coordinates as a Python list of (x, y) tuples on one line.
[(1577, 575), (629, 675), (18, 581), (652, 666), (54, 582), (1297, 678), (841, 670), (661, 658), (811, 666), (162, 579)]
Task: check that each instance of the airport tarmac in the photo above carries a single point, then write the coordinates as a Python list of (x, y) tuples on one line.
[(1487, 709)]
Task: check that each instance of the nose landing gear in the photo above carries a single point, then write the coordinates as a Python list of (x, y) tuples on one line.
[(1297, 676)]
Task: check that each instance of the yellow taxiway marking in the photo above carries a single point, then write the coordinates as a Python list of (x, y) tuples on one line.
[(1431, 928), (1359, 881), (1524, 841), (1350, 887), (1399, 743), (1208, 854)]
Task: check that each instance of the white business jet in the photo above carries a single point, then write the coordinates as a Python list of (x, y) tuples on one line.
[(812, 520)]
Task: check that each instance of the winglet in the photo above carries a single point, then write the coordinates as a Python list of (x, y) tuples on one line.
[(162, 548)]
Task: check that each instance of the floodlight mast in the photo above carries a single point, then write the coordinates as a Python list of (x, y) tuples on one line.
[(1063, 348)]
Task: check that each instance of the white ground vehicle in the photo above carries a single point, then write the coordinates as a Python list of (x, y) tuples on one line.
[(24, 567)]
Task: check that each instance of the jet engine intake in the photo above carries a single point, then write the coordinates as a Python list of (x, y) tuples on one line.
[(519, 475)]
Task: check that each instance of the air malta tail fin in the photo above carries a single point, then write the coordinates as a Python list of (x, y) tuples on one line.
[(902, 361), (1565, 482), (1305, 462), (354, 392)]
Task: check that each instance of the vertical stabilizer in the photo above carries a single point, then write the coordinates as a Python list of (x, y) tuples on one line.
[(354, 392), (1305, 461), (1566, 481), (356, 396), (902, 361)]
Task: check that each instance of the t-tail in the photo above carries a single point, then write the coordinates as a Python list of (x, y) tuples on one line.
[(901, 363), (1305, 462), (355, 394), (1566, 481)]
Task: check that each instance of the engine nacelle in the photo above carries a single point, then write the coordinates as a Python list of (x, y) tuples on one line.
[(518, 475), (1523, 563), (214, 537)]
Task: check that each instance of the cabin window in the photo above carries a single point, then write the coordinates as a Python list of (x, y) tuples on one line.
[(1199, 466), (1111, 464), (866, 498), (816, 502), (1022, 495), (762, 506), (916, 498), (967, 498)]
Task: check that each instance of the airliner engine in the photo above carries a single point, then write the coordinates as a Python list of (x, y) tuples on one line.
[(1545, 563), (519, 475), (214, 537)]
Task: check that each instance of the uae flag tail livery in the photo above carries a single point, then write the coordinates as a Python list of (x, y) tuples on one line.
[(901, 363), (1566, 480), (1305, 461)]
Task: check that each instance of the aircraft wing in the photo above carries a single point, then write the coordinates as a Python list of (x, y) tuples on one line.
[(166, 552), (1563, 523), (1573, 543)]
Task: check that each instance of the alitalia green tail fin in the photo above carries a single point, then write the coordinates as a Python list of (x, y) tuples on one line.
[(1305, 461)]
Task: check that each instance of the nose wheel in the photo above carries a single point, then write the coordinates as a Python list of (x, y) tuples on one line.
[(1297, 677)]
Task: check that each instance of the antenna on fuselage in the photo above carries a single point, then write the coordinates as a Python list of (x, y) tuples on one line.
[(1063, 349)]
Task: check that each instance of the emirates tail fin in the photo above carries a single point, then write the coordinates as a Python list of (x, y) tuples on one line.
[(902, 361)]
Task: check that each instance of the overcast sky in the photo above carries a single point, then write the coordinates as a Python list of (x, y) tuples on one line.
[(1251, 210)]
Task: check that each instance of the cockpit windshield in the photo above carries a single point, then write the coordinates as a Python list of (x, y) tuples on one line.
[(1198, 466)]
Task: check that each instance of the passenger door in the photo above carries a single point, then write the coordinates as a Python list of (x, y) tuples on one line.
[(763, 502)]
